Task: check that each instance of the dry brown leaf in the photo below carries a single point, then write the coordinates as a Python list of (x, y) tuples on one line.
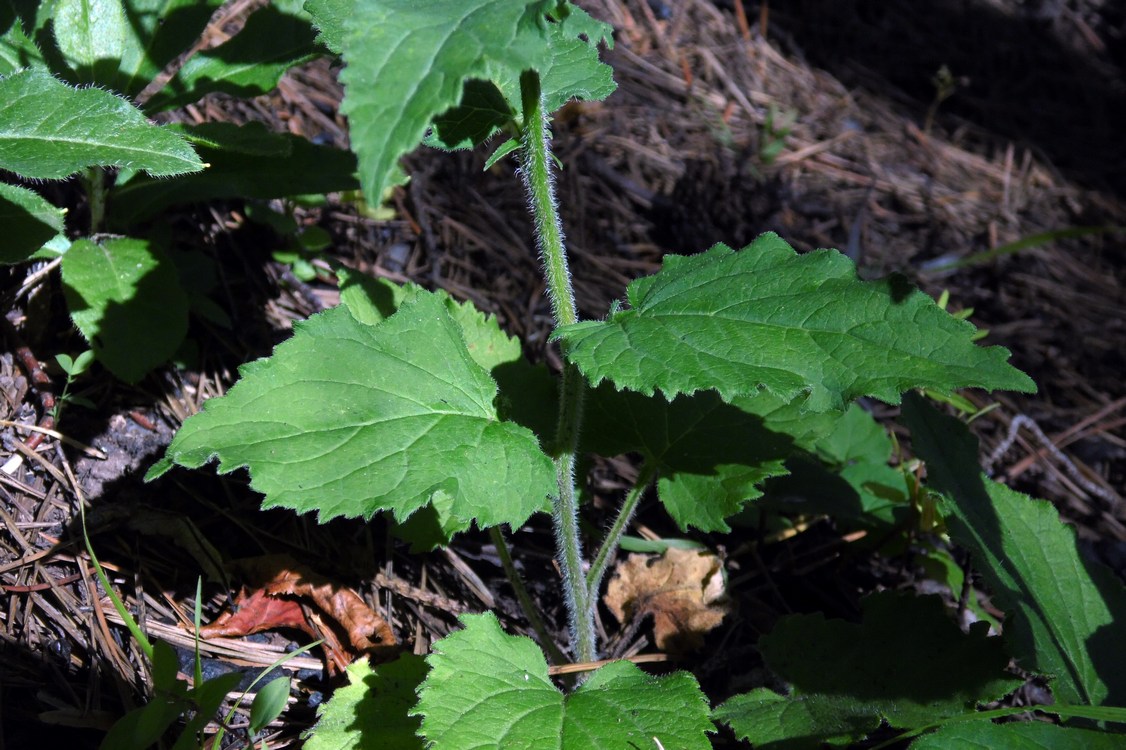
[(286, 594), (683, 590)]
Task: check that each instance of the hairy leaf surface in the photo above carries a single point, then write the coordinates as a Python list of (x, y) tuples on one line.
[(49, 130), (125, 296), (408, 62), (348, 419), (768, 317), (1065, 615), (487, 689)]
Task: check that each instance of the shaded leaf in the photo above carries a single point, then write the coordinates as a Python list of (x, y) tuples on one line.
[(1065, 615), (49, 130), (768, 317), (767, 719), (372, 711), (125, 297), (684, 590), (29, 220), (710, 456), (1017, 736), (249, 64), (90, 34), (157, 32), (246, 161), (487, 689), (907, 659), (348, 419)]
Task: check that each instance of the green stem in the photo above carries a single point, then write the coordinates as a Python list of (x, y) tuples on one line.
[(96, 193), (523, 597), (613, 538), (536, 173)]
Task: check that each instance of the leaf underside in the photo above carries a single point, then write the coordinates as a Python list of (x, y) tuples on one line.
[(766, 317)]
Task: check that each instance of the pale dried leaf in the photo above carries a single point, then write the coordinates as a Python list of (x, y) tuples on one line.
[(684, 590)]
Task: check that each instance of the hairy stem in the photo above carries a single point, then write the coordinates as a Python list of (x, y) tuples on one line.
[(536, 173), (614, 536), (523, 597), (95, 179)]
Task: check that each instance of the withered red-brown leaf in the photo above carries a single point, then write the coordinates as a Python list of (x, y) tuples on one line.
[(285, 594)]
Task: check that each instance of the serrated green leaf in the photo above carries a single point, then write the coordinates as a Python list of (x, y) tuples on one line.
[(49, 130), (246, 161), (249, 64), (765, 718), (372, 711), (125, 297), (407, 63), (268, 703), (90, 34), (1017, 736), (348, 419), (907, 659), (487, 689), (29, 220), (710, 456), (1065, 615), (766, 316)]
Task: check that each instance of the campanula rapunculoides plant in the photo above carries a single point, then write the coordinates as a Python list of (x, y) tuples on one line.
[(714, 370)]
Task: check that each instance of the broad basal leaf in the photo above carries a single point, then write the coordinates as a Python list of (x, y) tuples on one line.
[(372, 711), (246, 161), (490, 690), (710, 456), (249, 64), (348, 419), (407, 63), (125, 296), (1065, 615), (766, 316), (28, 219), (49, 130), (780, 722), (907, 660)]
